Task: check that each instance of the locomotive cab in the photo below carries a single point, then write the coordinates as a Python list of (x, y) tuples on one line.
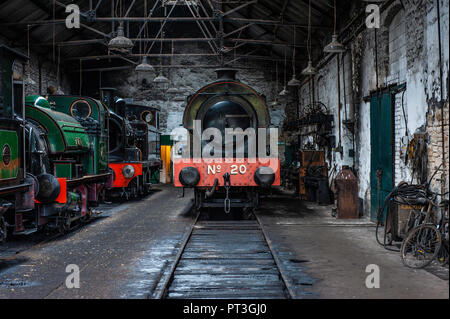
[(16, 187)]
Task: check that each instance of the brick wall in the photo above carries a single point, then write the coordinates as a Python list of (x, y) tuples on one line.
[(441, 182), (257, 74), (48, 70)]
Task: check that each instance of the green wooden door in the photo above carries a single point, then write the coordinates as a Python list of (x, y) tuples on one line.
[(381, 119)]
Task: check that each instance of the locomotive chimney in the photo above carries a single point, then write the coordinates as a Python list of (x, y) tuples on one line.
[(107, 97), (226, 74)]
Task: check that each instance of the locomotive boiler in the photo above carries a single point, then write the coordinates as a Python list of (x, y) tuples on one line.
[(227, 172)]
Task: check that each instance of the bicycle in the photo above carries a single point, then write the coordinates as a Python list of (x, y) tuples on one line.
[(427, 240)]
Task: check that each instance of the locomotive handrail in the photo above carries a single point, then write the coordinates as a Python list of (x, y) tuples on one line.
[(87, 179)]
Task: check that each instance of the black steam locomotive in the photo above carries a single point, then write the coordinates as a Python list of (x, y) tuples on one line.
[(134, 148)]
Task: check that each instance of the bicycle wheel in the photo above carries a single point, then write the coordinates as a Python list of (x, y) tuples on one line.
[(421, 246)]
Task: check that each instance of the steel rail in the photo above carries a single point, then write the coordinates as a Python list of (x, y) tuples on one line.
[(275, 258), (161, 293)]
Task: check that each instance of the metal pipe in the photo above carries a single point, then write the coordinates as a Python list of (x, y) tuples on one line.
[(442, 94), (343, 83), (127, 67), (339, 98), (376, 59)]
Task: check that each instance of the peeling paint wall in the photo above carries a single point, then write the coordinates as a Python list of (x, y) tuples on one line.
[(407, 52)]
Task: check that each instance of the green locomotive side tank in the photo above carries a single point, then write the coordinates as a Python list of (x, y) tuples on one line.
[(9, 153), (92, 115), (16, 189), (65, 135), (11, 172)]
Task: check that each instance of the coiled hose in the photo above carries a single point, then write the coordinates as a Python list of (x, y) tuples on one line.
[(404, 193)]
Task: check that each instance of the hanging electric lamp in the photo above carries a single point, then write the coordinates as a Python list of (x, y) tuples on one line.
[(284, 92), (161, 79), (173, 89), (275, 101), (334, 46), (120, 42), (294, 81), (310, 69), (28, 79), (144, 66)]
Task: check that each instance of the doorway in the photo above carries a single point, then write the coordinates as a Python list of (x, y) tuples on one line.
[(381, 145)]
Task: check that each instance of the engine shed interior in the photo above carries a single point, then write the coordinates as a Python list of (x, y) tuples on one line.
[(224, 149)]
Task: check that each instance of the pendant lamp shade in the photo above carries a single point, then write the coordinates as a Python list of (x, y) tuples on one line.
[(144, 66), (310, 69), (161, 79), (294, 81), (334, 46), (173, 90), (120, 41)]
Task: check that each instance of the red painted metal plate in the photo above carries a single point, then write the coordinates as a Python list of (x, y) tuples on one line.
[(120, 180), (242, 171), (62, 197)]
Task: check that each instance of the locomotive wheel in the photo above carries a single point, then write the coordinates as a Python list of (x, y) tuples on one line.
[(64, 225), (84, 219), (134, 191)]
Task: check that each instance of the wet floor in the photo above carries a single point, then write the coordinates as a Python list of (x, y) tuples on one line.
[(129, 251), (335, 254), (119, 256)]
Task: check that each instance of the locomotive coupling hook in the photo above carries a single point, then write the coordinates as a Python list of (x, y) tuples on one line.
[(227, 184), (211, 192)]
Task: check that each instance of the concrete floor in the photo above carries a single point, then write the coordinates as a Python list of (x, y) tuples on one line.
[(335, 253), (128, 252), (122, 255)]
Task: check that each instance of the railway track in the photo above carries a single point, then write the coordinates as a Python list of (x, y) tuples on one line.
[(225, 259)]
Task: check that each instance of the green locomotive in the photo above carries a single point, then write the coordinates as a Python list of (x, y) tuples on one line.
[(53, 155), (93, 117), (60, 153), (68, 155), (16, 187)]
